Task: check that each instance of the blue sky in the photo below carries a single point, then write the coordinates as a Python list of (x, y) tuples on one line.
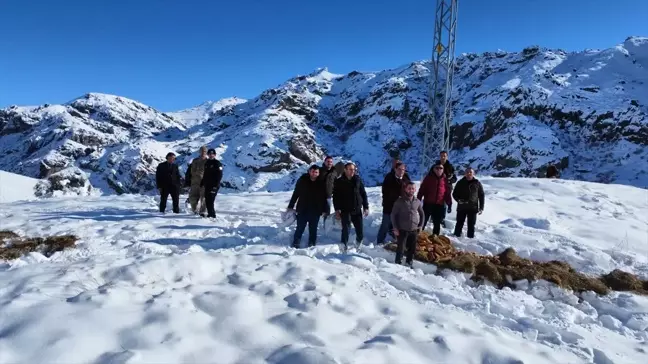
[(176, 54)]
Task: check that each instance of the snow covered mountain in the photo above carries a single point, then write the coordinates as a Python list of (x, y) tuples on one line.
[(514, 113)]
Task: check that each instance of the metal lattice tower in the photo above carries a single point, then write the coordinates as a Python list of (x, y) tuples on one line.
[(437, 122)]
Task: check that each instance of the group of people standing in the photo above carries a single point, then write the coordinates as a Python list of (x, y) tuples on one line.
[(405, 212), (203, 178), (323, 192), (405, 216)]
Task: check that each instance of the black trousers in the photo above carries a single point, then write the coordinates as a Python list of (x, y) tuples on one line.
[(174, 191), (437, 214), (462, 214), (210, 197), (347, 220), (406, 239), (312, 219)]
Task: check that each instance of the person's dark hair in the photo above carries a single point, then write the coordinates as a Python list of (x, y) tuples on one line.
[(349, 164), (409, 183), (552, 171), (170, 154), (314, 166), (211, 151), (398, 164), (328, 157), (443, 152)]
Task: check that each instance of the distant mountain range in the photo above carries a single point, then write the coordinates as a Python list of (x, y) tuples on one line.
[(514, 113)]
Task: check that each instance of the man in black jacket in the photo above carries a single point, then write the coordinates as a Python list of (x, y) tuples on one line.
[(211, 180), (395, 162), (168, 181), (469, 194), (310, 195), (327, 174), (350, 202), (449, 171), (392, 188)]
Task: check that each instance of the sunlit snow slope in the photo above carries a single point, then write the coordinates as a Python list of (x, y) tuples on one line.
[(14, 187), (144, 287)]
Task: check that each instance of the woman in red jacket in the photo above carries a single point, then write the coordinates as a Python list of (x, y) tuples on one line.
[(435, 190)]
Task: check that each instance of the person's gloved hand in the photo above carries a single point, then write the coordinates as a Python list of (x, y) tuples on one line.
[(449, 209)]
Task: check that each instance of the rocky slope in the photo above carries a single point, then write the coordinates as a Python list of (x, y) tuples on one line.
[(513, 114)]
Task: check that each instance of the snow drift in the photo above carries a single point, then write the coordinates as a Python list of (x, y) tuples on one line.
[(147, 287), (14, 187)]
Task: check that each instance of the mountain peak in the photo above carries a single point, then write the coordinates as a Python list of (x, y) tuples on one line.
[(322, 73), (636, 41), (101, 98)]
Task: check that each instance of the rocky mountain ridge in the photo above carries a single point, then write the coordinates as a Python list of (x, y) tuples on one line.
[(514, 113)]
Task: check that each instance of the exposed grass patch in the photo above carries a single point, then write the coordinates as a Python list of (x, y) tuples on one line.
[(507, 267), (13, 246)]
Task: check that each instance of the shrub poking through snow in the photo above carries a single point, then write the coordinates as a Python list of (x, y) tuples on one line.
[(507, 267), (13, 246)]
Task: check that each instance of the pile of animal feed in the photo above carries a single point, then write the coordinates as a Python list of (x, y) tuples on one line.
[(507, 267), (13, 246)]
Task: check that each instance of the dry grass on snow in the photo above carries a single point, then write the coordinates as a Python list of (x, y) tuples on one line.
[(507, 267), (13, 246)]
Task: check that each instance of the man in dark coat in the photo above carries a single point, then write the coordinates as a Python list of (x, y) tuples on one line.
[(469, 194), (212, 176), (350, 203), (392, 188), (169, 182), (395, 162), (310, 196), (449, 171), (328, 174)]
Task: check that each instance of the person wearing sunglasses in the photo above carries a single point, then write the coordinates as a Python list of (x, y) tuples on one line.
[(435, 195)]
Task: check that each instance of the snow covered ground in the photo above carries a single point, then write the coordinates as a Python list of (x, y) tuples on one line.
[(144, 287), (14, 187)]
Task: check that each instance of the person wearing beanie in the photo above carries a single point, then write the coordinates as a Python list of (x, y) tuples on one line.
[(197, 193), (210, 182)]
